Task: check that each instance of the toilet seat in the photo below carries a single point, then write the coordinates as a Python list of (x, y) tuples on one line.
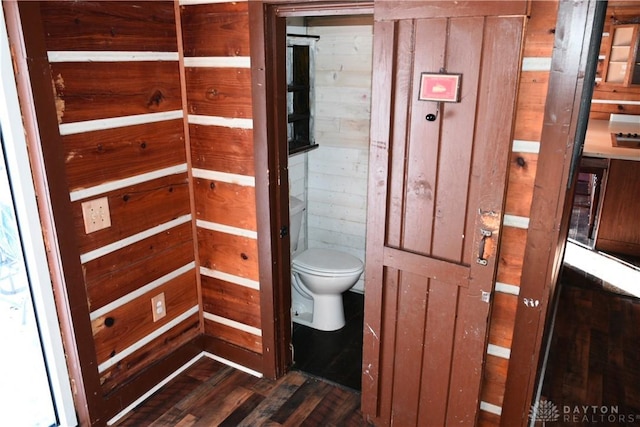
[(326, 262)]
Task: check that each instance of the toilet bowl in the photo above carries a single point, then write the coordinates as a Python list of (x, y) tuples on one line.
[(319, 276)]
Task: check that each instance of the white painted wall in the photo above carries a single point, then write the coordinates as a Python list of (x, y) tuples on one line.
[(336, 183)]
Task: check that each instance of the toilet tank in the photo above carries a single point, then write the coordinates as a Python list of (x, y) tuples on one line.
[(296, 209)]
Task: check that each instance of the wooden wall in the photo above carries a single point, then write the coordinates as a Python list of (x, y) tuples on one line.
[(218, 90), (336, 193), (532, 95), (117, 87), (123, 137)]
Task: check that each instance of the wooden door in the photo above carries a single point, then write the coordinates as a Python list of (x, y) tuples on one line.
[(436, 192)]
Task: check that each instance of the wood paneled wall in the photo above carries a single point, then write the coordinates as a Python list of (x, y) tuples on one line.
[(338, 169), (116, 79), (116, 73), (532, 94), (218, 84)]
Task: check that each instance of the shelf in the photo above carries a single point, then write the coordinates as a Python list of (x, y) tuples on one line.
[(620, 66), (297, 88), (296, 117), (301, 147)]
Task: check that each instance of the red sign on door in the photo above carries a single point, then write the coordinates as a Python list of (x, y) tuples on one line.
[(440, 87)]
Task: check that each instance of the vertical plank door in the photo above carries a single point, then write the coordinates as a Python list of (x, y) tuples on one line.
[(436, 190)]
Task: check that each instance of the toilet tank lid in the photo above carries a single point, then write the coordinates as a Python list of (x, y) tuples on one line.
[(295, 205)]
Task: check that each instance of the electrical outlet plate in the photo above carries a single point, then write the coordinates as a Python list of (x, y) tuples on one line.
[(96, 214), (158, 307)]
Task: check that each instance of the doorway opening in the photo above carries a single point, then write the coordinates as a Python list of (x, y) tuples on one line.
[(327, 172), (589, 360), (25, 388)]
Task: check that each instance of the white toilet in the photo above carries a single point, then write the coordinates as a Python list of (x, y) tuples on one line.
[(318, 279)]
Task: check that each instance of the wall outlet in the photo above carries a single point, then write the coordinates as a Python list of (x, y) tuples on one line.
[(96, 214), (158, 307)]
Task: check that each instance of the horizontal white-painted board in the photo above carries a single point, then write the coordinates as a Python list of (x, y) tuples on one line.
[(342, 213), (335, 224), (327, 238), (341, 30), (354, 96), (342, 155), (349, 125), (345, 45), (337, 139), (357, 201), (332, 109), (344, 62), (329, 171), (343, 78), (336, 183)]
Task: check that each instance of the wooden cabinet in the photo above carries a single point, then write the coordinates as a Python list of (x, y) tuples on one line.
[(623, 58), (618, 228)]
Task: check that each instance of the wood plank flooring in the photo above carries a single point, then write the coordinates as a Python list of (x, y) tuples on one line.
[(212, 394), (333, 355), (594, 359)]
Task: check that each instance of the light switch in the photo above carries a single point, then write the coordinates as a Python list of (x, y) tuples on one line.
[(96, 214)]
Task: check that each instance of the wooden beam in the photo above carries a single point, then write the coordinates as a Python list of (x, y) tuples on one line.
[(549, 214)]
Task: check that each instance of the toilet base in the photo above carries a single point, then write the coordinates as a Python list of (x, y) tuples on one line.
[(327, 314)]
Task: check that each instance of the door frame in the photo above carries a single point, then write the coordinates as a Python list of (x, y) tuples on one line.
[(562, 133), (545, 245), (35, 256), (268, 68)]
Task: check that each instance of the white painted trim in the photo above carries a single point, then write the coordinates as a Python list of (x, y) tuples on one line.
[(499, 351), (516, 221), (241, 281), (218, 61), (615, 101), (26, 208), (195, 2), (229, 178), (506, 288), (155, 388), (522, 146), (85, 193), (117, 122), (141, 291), (233, 365), (214, 226), (226, 122), (97, 253), (110, 56), (491, 408), (146, 340), (536, 64), (233, 324)]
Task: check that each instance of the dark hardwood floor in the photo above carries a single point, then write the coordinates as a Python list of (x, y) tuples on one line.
[(594, 361), (321, 390), (593, 369), (209, 393), (335, 356)]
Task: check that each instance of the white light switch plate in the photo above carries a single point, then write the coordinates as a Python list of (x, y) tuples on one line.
[(96, 214)]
